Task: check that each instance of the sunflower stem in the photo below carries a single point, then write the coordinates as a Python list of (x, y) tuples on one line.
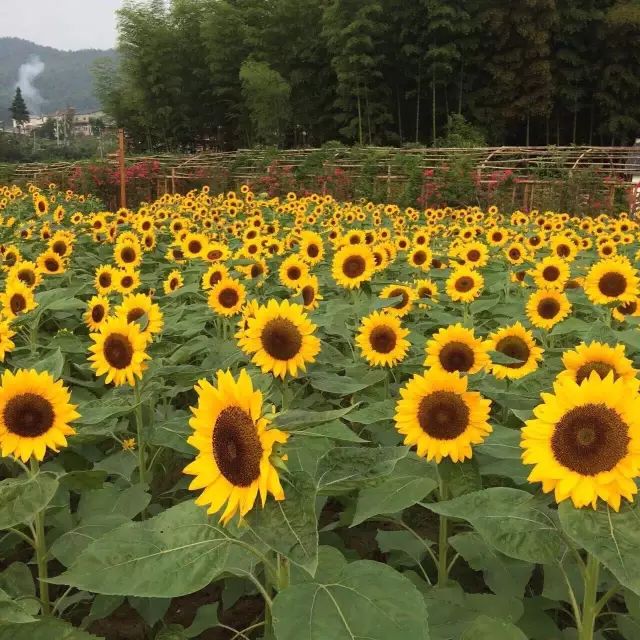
[(139, 428), (443, 568), (589, 606), (40, 544)]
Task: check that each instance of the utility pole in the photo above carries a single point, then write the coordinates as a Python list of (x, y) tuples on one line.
[(123, 184)]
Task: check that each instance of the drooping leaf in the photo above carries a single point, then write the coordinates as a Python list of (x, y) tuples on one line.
[(22, 498)]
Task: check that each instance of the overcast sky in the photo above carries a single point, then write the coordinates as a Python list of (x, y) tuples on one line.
[(63, 24)]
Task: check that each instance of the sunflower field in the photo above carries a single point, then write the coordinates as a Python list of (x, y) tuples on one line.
[(239, 417)]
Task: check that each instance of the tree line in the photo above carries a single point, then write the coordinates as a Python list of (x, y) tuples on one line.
[(233, 73)]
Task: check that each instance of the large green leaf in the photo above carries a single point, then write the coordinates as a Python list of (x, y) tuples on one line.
[(375, 412), (344, 385), (290, 526), (514, 522), (486, 628), (299, 418), (22, 498), (176, 553), (613, 538), (363, 599), (347, 468), (44, 629), (410, 481)]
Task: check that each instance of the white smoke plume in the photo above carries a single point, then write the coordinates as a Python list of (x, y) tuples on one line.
[(27, 73)]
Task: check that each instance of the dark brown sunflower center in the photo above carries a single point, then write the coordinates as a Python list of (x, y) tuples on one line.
[(127, 282), (216, 254), (281, 339), (195, 246), (42, 207), (419, 258), (256, 270), (628, 308), (128, 255), (601, 368), (173, 283), (354, 266), (551, 273), (294, 273), (473, 255), (456, 356), (97, 313), (436, 263), (17, 303), (399, 293), (118, 351), (612, 284), (59, 247), (548, 308), (27, 276), (497, 237), (514, 254), (383, 339), (443, 415), (464, 284), (308, 295), (563, 250), (520, 275), (590, 439), (28, 415), (52, 265), (516, 348), (313, 251), (228, 298), (135, 314), (104, 279), (236, 447), (10, 259)]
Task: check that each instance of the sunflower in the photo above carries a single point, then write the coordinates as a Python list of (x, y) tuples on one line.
[(612, 280), (403, 306), (580, 362), (194, 244), (456, 348), (50, 263), (105, 279), (293, 270), (309, 290), (551, 273), (420, 258), (584, 441), (97, 312), (382, 339), (35, 413), (545, 308), (40, 205), (353, 265), (6, 343), (235, 447), (281, 339), (138, 308), (426, 290), (227, 297), (311, 247), (26, 272), (563, 247), (626, 310), (438, 415), (127, 281), (475, 254), (213, 275), (516, 343), (119, 351), (464, 284), (173, 282), (16, 299), (516, 253), (128, 254)]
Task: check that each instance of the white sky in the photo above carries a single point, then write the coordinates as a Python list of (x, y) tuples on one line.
[(63, 24)]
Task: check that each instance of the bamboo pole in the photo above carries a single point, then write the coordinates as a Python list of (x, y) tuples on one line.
[(123, 175)]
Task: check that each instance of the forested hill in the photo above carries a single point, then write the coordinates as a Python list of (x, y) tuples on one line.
[(65, 81)]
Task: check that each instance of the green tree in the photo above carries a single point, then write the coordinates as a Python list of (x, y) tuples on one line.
[(18, 109), (266, 94)]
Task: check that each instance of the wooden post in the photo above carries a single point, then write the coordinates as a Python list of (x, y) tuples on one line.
[(173, 180), (123, 177)]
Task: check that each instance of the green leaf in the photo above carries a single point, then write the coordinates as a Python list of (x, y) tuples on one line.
[(486, 628), (14, 612), (363, 599), (22, 498), (502, 443), (410, 481), (176, 553), (53, 363), (335, 430), (512, 521), (151, 610), (344, 385), (80, 481), (290, 527), (571, 325), (44, 629), (503, 575), (297, 419), (110, 500), (101, 607), (613, 538), (347, 468), (460, 477), (376, 412), (206, 617), (121, 464), (172, 433)]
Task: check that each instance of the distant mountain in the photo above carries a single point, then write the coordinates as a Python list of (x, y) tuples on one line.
[(65, 80)]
